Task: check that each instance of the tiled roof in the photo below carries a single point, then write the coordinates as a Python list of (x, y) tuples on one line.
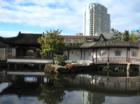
[(3, 43), (23, 39), (88, 44), (27, 39), (115, 44)]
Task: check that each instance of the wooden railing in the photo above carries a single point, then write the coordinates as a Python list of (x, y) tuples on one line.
[(120, 60)]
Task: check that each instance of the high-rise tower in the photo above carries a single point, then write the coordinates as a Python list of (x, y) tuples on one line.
[(96, 20)]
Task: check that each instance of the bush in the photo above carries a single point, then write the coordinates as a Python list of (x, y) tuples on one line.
[(59, 59)]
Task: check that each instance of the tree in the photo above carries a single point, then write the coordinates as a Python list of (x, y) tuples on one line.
[(51, 43), (126, 36), (132, 38), (116, 35)]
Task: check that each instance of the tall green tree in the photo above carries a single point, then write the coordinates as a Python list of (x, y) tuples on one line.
[(51, 42), (132, 38), (126, 35)]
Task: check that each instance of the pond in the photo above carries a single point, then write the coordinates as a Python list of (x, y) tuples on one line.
[(63, 89)]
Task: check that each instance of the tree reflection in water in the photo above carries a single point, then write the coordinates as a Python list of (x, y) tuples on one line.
[(52, 94), (65, 89), (55, 92)]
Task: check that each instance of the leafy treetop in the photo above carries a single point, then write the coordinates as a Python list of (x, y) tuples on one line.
[(51, 42)]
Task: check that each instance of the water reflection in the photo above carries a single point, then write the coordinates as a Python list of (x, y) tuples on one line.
[(52, 94), (62, 90), (3, 86)]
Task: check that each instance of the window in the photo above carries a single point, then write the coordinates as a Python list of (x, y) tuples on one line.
[(9, 52), (118, 53), (103, 53), (89, 53), (134, 53)]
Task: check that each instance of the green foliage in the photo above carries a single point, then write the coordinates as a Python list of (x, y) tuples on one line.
[(117, 35), (126, 36), (123, 36), (51, 42), (133, 38), (59, 59), (52, 94)]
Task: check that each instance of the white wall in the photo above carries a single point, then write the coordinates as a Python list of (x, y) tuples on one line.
[(87, 54), (13, 52), (135, 51), (123, 52), (75, 54), (103, 53)]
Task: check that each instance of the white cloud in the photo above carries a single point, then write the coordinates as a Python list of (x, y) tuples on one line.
[(43, 15), (68, 14), (8, 33)]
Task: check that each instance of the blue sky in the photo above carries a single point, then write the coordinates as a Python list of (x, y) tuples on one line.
[(37, 16)]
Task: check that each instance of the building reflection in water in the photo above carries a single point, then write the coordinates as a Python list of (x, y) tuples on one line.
[(62, 90)]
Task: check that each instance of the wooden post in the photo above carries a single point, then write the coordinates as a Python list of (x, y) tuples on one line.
[(15, 66), (108, 55), (39, 67), (81, 54), (128, 55), (84, 54), (68, 54), (8, 66), (127, 75), (127, 69), (139, 70), (96, 55), (108, 63)]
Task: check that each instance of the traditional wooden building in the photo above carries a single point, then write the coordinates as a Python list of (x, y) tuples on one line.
[(6, 51), (83, 53), (24, 43), (104, 51)]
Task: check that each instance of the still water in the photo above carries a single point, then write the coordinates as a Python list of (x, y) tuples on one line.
[(62, 90)]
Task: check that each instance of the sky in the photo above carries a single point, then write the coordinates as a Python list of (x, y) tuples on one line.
[(38, 16)]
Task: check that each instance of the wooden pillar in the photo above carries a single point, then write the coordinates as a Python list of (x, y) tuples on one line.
[(81, 53), (139, 70), (68, 54), (8, 66), (127, 69), (96, 55), (108, 55), (127, 75), (128, 55), (15, 66), (84, 54), (40, 67), (108, 61)]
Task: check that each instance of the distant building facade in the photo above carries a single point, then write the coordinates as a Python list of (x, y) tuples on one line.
[(96, 20)]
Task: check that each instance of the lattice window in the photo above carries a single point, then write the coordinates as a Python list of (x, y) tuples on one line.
[(118, 52)]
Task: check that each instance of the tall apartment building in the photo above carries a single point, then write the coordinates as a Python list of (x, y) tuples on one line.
[(96, 20)]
